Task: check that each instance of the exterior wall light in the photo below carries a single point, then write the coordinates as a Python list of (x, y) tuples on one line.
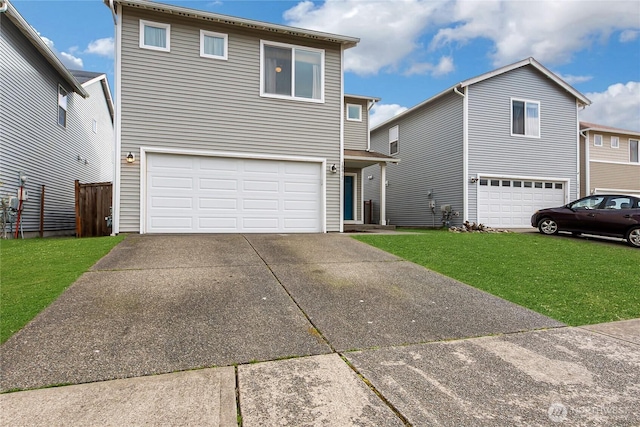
[(130, 157), (334, 168), (473, 179)]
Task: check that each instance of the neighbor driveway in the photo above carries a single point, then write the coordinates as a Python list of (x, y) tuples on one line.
[(304, 330)]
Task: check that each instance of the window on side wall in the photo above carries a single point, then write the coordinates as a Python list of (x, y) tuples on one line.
[(597, 140), (633, 151), (292, 72), (393, 140), (354, 112), (213, 45), (525, 118), (615, 142), (155, 35), (62, 107)]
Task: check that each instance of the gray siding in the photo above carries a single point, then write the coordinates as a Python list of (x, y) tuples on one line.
[(430, 149), (356, 133), (492, 149), (32, 142), (179, 100)]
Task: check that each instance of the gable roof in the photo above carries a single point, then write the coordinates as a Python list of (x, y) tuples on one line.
[(585, 126), (346, 41), (529, 61), (37, 42), (87, 78)]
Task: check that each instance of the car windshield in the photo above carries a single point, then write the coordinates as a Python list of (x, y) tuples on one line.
[(588, 203)]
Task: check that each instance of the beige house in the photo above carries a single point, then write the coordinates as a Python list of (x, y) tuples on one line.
[(609, 160)]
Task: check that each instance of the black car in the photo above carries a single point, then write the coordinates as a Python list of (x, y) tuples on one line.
[(605, 215)]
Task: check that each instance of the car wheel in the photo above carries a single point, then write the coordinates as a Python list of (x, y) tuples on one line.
[(548, 226), (633, 237)]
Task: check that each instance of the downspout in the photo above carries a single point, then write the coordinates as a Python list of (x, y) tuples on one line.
[(3, 6), (587, 172), (370, 105), (465, 152), (113, 12)]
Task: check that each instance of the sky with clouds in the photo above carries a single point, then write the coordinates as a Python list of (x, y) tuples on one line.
[(413, 49)]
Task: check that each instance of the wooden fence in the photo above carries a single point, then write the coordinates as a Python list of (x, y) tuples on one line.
[(93, 204)]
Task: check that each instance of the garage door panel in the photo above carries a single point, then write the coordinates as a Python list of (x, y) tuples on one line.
[(232, 195), (512, 203)]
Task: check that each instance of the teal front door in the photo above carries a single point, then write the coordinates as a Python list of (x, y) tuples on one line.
[(348, 198)]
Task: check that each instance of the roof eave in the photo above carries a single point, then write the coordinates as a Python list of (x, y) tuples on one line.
[(33, 37), (346, 41)]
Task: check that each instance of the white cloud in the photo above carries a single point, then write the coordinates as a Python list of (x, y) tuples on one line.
[(628, 36), (389, 30), (70, 61), (618, 106), (549, 30), (383, 112), (102, 47), (443, 67), (572, 80)]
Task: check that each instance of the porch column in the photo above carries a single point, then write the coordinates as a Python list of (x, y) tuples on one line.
[(383, 194)]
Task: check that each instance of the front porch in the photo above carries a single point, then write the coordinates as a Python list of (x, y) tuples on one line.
[(353, 213)]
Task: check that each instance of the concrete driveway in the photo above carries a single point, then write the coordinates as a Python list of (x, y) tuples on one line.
[(322, 313)]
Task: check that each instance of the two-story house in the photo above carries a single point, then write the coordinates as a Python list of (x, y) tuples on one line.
[(493, 148), (609, 160), (226, 125), (54, 130)]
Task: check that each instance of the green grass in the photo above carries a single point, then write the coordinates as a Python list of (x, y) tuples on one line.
[(571, 280), (34, 272)]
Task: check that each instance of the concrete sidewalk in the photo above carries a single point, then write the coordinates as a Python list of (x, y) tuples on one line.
[(305, 330)]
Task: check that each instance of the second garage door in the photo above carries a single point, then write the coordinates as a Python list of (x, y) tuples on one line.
[(199, 194), (509, 203)]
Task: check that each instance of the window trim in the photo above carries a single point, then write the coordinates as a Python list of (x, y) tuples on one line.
[(526, 101), (264, 94), (595, 140), (638, 148), (396, 140), (359, 119), (167, 27), (617, 138), (65, 107), (224, 37)]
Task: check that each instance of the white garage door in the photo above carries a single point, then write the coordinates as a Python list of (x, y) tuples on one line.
[(198, 194), (509, 203)]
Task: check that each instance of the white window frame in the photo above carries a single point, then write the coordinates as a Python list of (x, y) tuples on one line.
[(526, 101), (359, 118), (617, 140), (596, 138), (167, 27), (293, 47), (638, 145), (394, 138), (65, 107), (94, 125), (225, 37)]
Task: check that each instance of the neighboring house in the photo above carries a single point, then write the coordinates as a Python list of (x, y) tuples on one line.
[(54, 128), (609, 160), (230, 125), (494, 148)]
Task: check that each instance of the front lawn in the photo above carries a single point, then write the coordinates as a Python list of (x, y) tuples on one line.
[(34, 272), (571, 280)]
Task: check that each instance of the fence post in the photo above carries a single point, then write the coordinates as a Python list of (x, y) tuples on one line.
[(78, 217)]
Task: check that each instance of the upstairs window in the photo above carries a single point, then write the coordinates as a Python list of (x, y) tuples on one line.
[(354, 112), (633, 151), (154, 35), (213, 45), (62, 107), (393, 140), (615, 142), (525, 118), (292, 72), (597, 140)]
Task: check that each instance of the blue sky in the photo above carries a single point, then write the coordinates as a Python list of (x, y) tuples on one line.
[(413, 49)]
